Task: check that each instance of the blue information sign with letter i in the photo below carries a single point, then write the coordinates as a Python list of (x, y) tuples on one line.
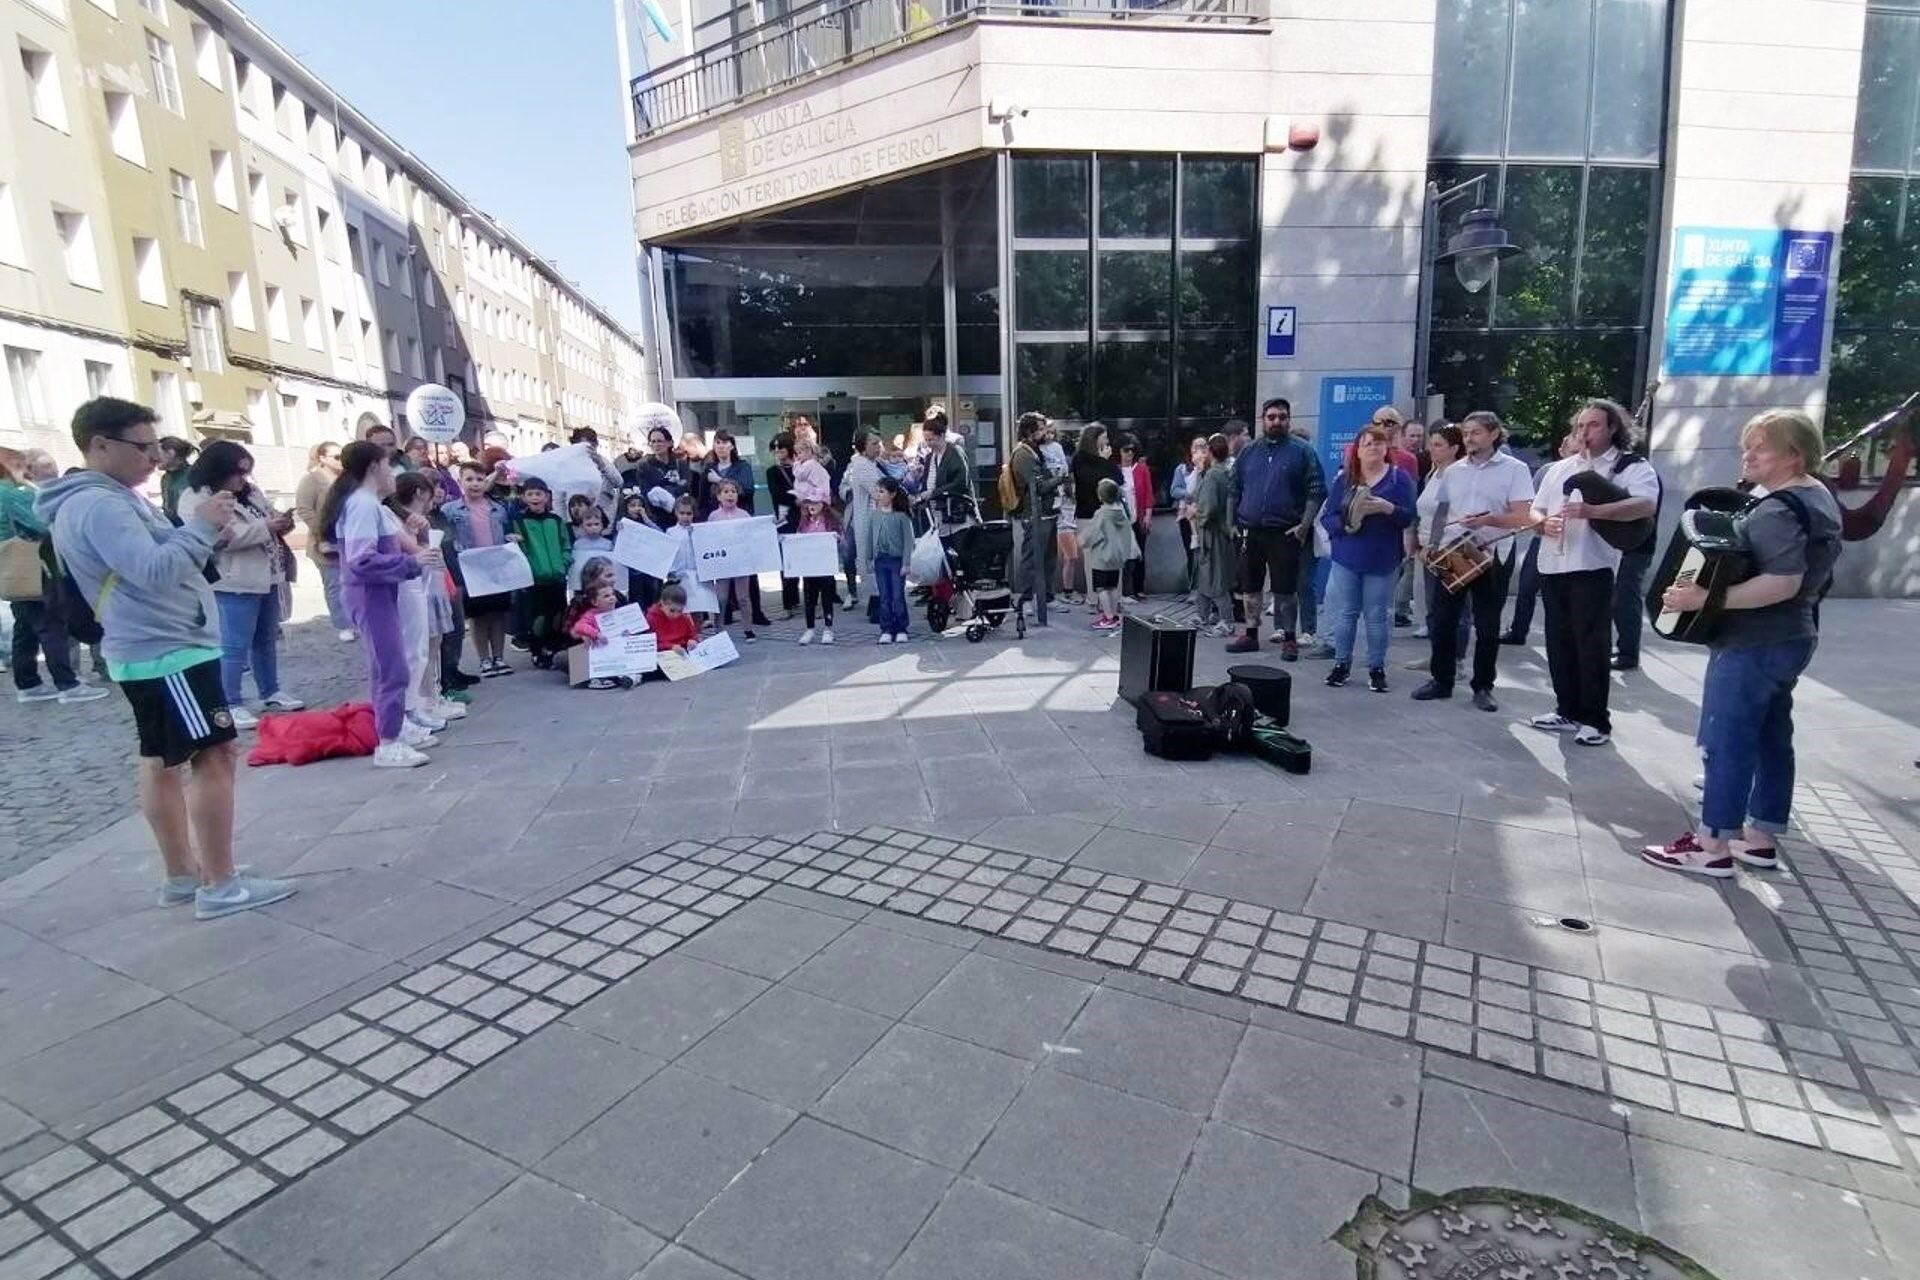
[(1281, 322)]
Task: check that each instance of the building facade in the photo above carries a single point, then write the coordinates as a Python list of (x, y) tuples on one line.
[(191, 218), (1161, 215)]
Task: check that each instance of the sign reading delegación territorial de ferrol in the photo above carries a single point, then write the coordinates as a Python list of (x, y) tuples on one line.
[(788, 152), (1748, 301)]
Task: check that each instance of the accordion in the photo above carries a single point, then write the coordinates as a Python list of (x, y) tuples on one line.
[(1707, 550)]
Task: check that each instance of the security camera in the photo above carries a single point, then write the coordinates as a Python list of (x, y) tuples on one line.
[(1004, 109)]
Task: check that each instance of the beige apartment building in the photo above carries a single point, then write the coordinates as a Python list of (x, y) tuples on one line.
[(191, 218)]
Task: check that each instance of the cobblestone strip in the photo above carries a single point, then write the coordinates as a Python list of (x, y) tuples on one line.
[(142, 1189)]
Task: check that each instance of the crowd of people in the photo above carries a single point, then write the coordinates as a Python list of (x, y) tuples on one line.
[(186, 599)]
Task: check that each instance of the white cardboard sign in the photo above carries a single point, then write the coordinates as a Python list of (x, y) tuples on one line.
[(735, 548), (646, 549), (492, 571), (809, 555)]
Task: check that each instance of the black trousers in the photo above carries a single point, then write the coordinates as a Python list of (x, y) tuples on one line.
[(1629, 610), (1485, 596), (451, 642), (1579, 609), (38, 629), (1526, 592), (820, 595)]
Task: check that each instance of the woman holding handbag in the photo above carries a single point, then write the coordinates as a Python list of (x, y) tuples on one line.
[(31, 586), (252, 564)]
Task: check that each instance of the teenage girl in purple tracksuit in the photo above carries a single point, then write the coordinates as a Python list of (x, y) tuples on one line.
[(372, 567)]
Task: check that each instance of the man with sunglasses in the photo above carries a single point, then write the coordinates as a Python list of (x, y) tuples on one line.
[(147, 582)]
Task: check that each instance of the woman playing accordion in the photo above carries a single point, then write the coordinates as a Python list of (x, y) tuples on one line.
[(1765, 640)]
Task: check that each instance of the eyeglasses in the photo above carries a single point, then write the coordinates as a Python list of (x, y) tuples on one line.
[(145, 446)]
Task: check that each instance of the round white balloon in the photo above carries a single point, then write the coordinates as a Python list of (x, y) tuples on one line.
[(435, 413), (654, 414)]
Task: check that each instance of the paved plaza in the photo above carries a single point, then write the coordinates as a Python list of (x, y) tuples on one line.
[(862, 962)]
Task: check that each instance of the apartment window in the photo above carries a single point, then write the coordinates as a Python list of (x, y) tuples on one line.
[(206, 54), (380, 272), (260, 417), (277, 96), (439, 367), (165, 400), (310, 121), (12, 251), (99, 378), (348, 162), (277, 315), (258, 201), (203, 337), (149, 279), (123, 128), (23, 373), (325, 220), (369, 349), (289, 415), (310, 324), (243, 82), (240, 301), (323, 414), (427, 294), (406, 272), (390, 343), (44, 98), (166, 74), (354, 253), (156, 9), (77, 249), (342, 339), (414, 365), (186, 208), (225, 194), (297, 226)]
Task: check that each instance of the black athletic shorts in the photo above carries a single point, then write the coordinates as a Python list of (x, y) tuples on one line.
[(1106, 579), (180, 714), (1270, 553)]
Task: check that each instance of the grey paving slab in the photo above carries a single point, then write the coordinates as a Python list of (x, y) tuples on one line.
[(787, 1046), (207, 1261), (535, 1230), (1097, 1154), (1150, 1047), (525, 1103), (881, 970), (667, 1006), (926, 1094), (767, 939), (1250, 1207), (107, 1061), (675, 1263), (1011, 1007), (1357, 1107), (414, 1180), (283, 981), (979, 1233), (661, 1153), (821, 1204)]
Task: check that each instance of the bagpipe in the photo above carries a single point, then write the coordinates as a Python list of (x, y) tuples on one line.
[(1709, 549), (1596, 489)]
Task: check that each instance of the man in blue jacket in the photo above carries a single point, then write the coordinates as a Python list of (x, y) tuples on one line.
[(1277, 491)]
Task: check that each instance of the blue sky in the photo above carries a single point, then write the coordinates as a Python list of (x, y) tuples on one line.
[(527, 126)]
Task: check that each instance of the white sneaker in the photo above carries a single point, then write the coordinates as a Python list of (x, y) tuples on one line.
[(39, 693), (1552, 722), (806, 637), (283, 702), (826, 635), (885, 638), (899, 637), (344, 636), (415, 735), (1592, 737), (83, 693), (397, 755), (243, 718), (426, 720), (444, 711)]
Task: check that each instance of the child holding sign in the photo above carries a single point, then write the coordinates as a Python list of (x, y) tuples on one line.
[(583, 624), (477, 519), (732, 593), (815, 516), (643, 588), (674, 631), (543, 537)]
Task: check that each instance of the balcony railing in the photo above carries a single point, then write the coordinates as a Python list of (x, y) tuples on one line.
[(816, 37)]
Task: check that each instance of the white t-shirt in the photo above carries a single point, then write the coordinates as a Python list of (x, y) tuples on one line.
[(1579, 548)]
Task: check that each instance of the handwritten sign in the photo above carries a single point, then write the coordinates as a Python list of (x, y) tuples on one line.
[(643, 548), (716, 650), (632, 654), (809, 555), (735, 548), (492, 571), (625, 620)]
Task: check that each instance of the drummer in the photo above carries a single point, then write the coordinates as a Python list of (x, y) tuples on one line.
[(1484, 497)]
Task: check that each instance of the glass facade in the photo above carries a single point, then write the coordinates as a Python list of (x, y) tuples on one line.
[(1561, 105), (1134, 293), (1876, 326)]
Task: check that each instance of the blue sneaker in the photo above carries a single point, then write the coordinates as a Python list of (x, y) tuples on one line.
[(178, 891), (241, 893)]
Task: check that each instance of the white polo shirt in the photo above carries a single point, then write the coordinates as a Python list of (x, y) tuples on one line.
[(1470, 488), (1579, 548)]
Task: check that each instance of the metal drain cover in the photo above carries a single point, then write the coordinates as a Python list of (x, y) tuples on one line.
[(1486, 1233)]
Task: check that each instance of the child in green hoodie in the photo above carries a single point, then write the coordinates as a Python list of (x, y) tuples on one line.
[(548, 546)]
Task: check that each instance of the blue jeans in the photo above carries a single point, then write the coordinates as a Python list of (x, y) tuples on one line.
[(247, 627), (1746, 736), (892, 585), (1350, 597), (330, 585)]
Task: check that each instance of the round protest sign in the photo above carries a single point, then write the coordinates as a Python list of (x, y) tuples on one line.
[(435, 413)]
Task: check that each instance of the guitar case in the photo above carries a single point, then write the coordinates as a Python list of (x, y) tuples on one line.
[(1175, 726), (1276, 746)]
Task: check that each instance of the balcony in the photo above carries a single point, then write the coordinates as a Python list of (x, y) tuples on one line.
[(816, 38)]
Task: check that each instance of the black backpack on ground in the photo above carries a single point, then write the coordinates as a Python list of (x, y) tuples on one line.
[(1194, 725)]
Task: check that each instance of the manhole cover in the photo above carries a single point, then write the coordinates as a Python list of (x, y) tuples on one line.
[(1491, 1234)]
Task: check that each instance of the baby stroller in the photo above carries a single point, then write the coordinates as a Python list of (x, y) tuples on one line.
[(975, 588)]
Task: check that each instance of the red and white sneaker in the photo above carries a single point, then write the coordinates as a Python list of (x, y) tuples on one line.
[(1686, 855)]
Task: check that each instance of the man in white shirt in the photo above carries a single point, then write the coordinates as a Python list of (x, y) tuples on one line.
[(1488, 493), (1577, 566)]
